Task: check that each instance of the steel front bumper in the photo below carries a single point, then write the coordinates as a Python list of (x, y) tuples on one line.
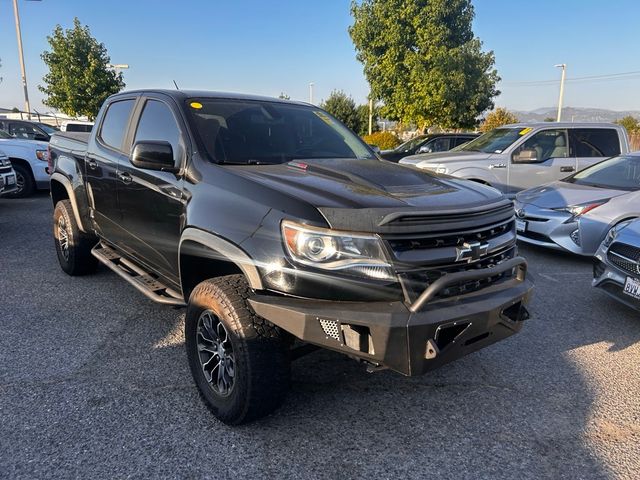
[(410, 339)]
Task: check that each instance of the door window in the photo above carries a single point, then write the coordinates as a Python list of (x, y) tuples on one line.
[(24, 130), (158, 123), (543, 146), (594, 142), (438, 145), (115, 123)]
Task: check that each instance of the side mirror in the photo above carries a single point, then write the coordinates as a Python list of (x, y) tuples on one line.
[(525, 156), (41, 138), (375, 148), (153, 155), (425, 149)]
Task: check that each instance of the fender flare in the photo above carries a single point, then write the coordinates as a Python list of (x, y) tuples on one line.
[(227, 250), (64, 181)]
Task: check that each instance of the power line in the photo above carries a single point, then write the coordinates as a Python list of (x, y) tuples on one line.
[(586, 79)]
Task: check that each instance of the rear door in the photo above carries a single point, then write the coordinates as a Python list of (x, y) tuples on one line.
[(151, 202), (590, 145), (101, 168), (542, 158)]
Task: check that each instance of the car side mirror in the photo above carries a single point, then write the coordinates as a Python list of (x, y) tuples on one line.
[(375, 148), (153, 155), (41, 138), (525, 156), (425, 149)]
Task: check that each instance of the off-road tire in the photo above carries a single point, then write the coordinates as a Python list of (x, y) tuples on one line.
[(23, 175), (260, 351), (77, 260)]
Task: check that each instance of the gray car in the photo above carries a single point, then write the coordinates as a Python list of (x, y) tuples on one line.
[(516, 157), (617, 266), (576, 213)]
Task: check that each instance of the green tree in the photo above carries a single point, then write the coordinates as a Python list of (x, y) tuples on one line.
[(79, 79), (423, 61), (342, 106), (630, 124), (496, 118), (284, 96), (362, 112), (549, 119)]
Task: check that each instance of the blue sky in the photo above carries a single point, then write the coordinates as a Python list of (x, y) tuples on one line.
[(268, 47)]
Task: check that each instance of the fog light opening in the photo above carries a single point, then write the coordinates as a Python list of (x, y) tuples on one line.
[(516, 312), (447, 334)]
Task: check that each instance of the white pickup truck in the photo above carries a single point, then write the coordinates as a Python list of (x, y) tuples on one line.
[(520, 156)]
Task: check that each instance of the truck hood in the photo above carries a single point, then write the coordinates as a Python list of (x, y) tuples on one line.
[(342, 189), (564, 194), (445, 157), (23, 143)]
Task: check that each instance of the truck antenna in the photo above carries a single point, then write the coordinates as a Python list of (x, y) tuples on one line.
[(174, 82)]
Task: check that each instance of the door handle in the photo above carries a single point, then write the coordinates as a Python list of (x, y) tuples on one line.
[(92, 164), (498, 165), (125, 177), (567, 169)]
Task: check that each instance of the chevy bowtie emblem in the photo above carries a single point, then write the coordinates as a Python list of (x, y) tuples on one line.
[(471, 251)]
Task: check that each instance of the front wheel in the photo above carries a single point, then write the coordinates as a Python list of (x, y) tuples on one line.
[(239, 361), (24, 182)]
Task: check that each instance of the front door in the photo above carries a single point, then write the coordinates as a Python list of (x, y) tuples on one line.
[(542, 158), (151, 201), (101, 169)]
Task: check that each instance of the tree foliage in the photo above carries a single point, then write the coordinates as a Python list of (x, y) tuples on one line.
[(384, 140), (630, 124), (496, 118), (343, 107), (79, 80), (423, 62), (363, 118)]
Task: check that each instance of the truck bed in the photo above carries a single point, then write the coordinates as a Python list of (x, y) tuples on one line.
[(70, 141)]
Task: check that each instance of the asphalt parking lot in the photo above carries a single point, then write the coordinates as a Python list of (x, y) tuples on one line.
[(94, 383)]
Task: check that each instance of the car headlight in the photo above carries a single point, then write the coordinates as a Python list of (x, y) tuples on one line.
[(579, 210), (42, 155), (613, 232), (349, 253)]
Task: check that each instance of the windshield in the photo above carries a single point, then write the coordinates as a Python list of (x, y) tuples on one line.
[(411, 144), (249, 132), (47, 128), (495, 141), (619, 173)]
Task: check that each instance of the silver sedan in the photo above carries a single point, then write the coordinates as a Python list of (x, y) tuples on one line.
[(575, 214), (617, 266)]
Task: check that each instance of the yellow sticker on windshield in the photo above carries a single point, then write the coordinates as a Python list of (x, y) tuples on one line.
[(524, 131), (196, 105), (324, 117)]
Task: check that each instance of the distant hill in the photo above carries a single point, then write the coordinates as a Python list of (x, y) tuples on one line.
[(575, 114)]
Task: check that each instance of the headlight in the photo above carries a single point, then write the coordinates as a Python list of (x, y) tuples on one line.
[(578, 210), (42, 155), (348, 253), (613, 232)]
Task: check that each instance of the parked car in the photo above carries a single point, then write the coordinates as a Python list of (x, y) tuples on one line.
[(521, 156), (433, 142), (575, 214), (617, 264), (26, 129), (273, 221), (7, 176), (76, 126), (29, 160)]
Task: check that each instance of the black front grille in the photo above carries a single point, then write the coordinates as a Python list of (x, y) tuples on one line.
[(626, 257), (453, 239), (5, 169), (430, 219), (416, 281)]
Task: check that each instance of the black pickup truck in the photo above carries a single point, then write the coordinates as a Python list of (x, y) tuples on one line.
[(281, 231)]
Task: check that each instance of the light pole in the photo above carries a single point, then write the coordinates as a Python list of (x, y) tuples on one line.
[(16, 14), (564, 70), (311, 93)]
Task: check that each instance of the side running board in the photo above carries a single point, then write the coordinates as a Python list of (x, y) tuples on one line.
[(145, 282)]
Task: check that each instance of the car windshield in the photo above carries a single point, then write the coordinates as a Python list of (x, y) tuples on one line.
[(495, 141), (619, 173), (47, 128), (4, 135), (411, 144), (252, 132)]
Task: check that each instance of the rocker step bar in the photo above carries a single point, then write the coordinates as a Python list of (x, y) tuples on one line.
[(145, 282)]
